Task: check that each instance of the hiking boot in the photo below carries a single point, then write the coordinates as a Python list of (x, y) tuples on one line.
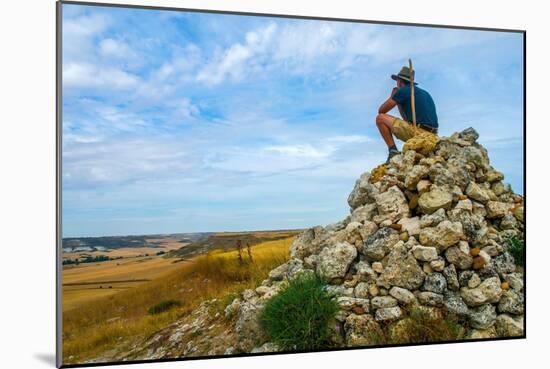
[(391, 154)]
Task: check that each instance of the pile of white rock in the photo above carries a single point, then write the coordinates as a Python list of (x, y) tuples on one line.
[(429, 231)]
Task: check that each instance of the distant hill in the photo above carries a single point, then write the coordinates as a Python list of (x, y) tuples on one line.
[(117, 242), (228, 241)]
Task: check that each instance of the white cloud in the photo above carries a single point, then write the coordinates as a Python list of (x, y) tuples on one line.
[(85, 75), (232, 62), (116, 49)]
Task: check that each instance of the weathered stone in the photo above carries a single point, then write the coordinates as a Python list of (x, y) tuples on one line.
[(497, 209), (478, 193), (401, 270), (430, 298), (519, 213), (334, 261), (349, 303), (464, 205), (361, 290), (493, 176), (469, 134), (504, 264), (482, 317), (363, 192), (423, 186), (247, 327), (431, 220), (424, 253), (402, 295), (410, 225), (435, 282), (488, 291), (459, 255), (436, 198), (455, 304), (363, 213), (508, 326), (362, 330), (287, 270), (388, 314), (308, 242), (515, 280), (380, 302), (474, 281), (438, 264), (380, 243), (511, 302), (476, 334), (378, 267), (414, 175), (452, 279), (364, 271), (464, 277), (391, 205), (443, 235)]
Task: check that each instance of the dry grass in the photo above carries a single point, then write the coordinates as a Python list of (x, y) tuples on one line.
[(85, 283), (95, 328)]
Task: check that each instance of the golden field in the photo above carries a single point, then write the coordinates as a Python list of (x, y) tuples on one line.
[(120, 317)]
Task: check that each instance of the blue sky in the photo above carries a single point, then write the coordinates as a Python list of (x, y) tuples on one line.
[(186, 122)]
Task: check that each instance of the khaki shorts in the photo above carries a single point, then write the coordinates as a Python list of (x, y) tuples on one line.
[(404, 130)]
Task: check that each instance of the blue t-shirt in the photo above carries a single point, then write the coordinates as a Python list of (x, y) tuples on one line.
[(424, 104)]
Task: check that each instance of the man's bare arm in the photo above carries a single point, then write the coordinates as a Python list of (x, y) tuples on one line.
[(389, 104)]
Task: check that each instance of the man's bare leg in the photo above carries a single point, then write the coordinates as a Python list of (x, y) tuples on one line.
[(384, 123)]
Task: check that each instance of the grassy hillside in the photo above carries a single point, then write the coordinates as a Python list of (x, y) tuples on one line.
[(122, 318), (228, 241)]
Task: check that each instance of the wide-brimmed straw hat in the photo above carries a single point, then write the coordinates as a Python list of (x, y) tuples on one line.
[(404, 74)]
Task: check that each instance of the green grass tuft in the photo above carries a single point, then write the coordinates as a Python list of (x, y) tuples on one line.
[(163, 306), (298, 317), (516, 248)]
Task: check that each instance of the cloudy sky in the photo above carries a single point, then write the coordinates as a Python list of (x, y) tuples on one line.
[(185, 122)]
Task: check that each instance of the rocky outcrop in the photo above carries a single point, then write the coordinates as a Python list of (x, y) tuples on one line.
[(428, 230)]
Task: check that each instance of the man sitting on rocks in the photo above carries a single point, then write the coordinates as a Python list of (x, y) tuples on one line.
[(403, 129)]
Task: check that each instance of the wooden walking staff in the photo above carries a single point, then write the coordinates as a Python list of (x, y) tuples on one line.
[(413, 110)]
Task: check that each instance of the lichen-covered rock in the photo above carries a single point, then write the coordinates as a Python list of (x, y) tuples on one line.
[(452, 278), (401, 269), (380, 243), (455, 304), (350, 303), (388, 314), (417, 173), (391, 205), (363, 192), (508, 326), (308, 242), (431, 220), (482, 317), (459, 255), (380, 302), (442, 236), (362, 330), (434, 199), (424, 253), (511, 302), (410, 225), (504, 264), (288, 270), (435, 282), (247, 327), (430, 298), (478, 193), (334, 261), (363, 213), (497, 209), (402, 295), (488, 291)]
